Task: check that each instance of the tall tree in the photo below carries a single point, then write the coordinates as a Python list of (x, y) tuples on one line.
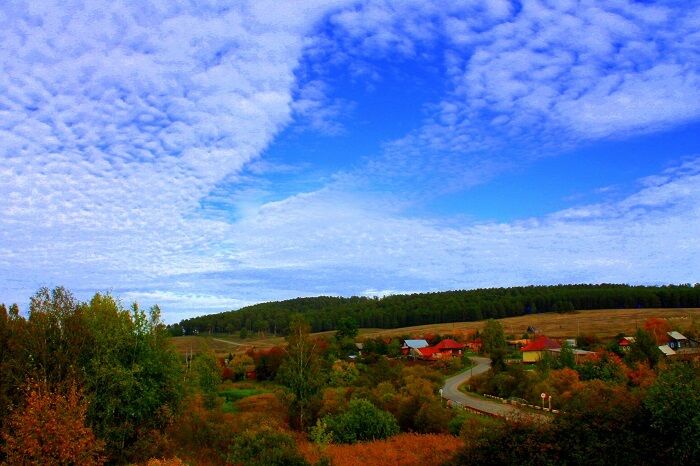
[(301, 372), (493, 337)]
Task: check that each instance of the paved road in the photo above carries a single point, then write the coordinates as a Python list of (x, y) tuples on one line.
[(451, 392)]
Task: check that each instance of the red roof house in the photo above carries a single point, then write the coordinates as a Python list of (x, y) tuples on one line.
[(533, 351), (445, 349)]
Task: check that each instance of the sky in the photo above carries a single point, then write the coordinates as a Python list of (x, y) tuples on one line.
[(213, 154)]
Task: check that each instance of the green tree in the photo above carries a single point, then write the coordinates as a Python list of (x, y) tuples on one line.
[(265, 447), (362, 421), (644, 349), (346, 328), (206, 377), (301, 372), (674, 403), (567, 357), (493, 337), (133, 377)]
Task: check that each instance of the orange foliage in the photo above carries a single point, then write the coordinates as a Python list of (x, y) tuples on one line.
[(51, 430), (166, 462), (400, 450), (565, 382), (658, 327), (265, 408), (641, 376)]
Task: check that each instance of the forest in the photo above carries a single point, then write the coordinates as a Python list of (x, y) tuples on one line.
[(394, 311)]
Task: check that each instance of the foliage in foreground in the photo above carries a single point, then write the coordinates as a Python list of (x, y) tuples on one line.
[(50, 429), (361, 421), (130, 377)]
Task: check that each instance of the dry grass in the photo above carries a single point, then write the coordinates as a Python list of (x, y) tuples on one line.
[(407, 449), (601, 323)]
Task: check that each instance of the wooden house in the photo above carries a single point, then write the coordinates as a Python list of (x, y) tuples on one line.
[(409, 346), (533, 351)]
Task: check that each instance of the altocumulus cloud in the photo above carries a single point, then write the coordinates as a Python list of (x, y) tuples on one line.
[(117, 119)]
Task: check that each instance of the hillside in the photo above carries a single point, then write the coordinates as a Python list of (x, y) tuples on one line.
[(396, 311), (603, 323)]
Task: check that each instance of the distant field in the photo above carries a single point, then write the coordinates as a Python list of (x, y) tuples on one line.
[(602, 323)]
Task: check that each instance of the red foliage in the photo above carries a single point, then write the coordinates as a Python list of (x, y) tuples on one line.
[(227, 374), (51, 430), (658, 328), (400, 450), (641, 376)]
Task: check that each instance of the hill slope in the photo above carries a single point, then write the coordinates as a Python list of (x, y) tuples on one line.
[(324, 312)]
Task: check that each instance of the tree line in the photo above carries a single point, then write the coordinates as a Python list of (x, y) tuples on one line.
[(326, 312)]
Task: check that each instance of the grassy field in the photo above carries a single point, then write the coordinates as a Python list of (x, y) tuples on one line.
[(602, 323)]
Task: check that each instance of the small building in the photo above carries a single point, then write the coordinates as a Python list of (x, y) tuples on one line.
[(474, 345), (533, 351), (625, 342), (517, 344), (429, 352), (579, 354), (410, 345), (680, 347)]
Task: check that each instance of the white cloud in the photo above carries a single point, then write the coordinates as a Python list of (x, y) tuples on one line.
[(117, 118), (647, 237), (120, 122)]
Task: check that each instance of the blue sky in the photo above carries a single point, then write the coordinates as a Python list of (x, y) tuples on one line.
[(208, 155)]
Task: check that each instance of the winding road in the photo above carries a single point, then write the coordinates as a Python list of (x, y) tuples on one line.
[(451, 392)]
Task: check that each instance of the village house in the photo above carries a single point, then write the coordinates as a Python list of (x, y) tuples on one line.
[(446, 349), (625, 342), (579, 354), (410, 346), (533, 351), (680, 347), (474, 345)]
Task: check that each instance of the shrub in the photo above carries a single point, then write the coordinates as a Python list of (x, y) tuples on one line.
[(362, 421), (51, 429), (266, 447)]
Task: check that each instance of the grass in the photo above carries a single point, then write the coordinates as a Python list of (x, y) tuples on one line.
[(604, 323), (232, 395)]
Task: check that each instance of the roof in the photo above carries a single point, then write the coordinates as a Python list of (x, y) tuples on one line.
[(541, 343), (449, 343), (428, 351), (624, 341), (676, 335), (415, 344), (667, 350)]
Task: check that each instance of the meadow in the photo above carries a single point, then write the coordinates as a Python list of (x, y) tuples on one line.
[(603, 323)]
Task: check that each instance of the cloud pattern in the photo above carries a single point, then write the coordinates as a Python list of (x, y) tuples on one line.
[(119, 120)]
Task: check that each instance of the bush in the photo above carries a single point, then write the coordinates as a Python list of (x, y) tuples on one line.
[(362, 421), (265, 447)]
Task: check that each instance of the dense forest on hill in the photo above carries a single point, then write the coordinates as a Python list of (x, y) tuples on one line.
[(324, 312)]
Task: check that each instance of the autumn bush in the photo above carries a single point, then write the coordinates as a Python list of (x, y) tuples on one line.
[(50, 429), (408, 449)]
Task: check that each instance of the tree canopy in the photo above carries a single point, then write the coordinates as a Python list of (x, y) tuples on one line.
[(332, 313)]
